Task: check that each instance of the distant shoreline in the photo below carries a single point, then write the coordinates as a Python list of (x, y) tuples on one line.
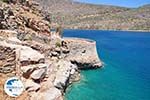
[(147, 31)]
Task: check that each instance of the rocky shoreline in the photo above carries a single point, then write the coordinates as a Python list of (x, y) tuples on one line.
[(42, 73), (45, 62)]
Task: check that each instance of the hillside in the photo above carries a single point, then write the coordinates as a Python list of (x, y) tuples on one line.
[(89, 16)]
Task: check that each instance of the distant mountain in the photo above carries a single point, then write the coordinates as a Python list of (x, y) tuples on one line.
[(89, 16)]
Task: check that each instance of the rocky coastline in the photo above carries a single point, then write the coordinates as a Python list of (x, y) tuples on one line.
[(45, 62)]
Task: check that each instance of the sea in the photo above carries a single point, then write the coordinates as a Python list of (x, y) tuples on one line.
[(126, 71)]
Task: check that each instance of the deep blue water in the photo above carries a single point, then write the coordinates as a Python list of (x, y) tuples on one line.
[(126, 72)]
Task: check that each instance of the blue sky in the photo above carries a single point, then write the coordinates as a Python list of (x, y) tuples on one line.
[(124, 3)]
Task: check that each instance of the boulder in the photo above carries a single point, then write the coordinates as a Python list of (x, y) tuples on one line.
[(14, 39), (65, 50), (57, 49), (50, 94), (29, 54), (60, 82), (53, 53), (27, 71), (66, 69), (38, 74), (31, 86)]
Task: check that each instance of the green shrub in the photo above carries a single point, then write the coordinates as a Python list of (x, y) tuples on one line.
[(7, 1), (58, 44)]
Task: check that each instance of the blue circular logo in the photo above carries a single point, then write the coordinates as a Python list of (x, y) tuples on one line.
[(13, 87)]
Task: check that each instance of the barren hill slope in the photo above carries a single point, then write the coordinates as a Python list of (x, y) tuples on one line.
[(89, 16)]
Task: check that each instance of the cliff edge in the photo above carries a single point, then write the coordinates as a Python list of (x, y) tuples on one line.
[(83, 52), (46, 63)]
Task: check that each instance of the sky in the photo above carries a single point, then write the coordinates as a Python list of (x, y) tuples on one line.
[(123, 3)]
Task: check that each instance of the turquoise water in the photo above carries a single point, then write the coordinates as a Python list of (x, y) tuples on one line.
[(126, 72)]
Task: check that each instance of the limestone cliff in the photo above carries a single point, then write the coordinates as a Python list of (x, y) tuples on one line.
[(83, 53), (46, 63)]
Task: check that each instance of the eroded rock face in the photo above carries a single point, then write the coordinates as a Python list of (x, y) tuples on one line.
[(38, 74), (22, 61), (42, 74), (27, 55), (34, 69), (38, 25), (83, 53), (23, 19), (7, 59), (50, 94), (45, 62), (65, 71), (31, 86)]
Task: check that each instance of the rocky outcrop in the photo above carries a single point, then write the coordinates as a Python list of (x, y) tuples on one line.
[(83, 53), (50, 94), (38, 71), (31, 86), (7, 60), (38, 74), (23, 19), (45, 63), (66, 70), (29, 55)]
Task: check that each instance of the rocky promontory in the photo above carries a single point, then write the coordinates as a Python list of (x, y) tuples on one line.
[(45, 62), (83, 53)]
